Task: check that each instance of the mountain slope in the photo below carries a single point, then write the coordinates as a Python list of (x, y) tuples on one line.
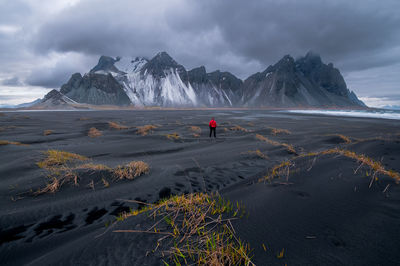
[(54, 100), (95, 88), (299, 83)]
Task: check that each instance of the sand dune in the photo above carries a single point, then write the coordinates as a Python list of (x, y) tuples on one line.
[(324, 209)]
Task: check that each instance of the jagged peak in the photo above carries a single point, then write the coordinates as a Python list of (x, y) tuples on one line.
[(286, 59), (160, 63), (106, 63), (311, 59), (311, 55), (200, 69), (164, 58)]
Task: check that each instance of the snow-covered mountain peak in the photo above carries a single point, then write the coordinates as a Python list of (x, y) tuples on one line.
[(131, 64)]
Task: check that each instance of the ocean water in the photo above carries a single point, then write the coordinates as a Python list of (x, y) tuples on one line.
[(385, 114)]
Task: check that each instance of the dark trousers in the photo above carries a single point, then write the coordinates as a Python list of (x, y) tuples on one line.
[(211, 130)]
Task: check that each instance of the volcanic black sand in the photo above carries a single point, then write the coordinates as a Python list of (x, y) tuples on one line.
[(324, 211)]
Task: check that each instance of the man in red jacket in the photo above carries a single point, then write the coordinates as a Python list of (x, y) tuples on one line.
[(213, 126)]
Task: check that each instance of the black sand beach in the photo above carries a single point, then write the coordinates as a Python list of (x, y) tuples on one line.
[(325, 209)]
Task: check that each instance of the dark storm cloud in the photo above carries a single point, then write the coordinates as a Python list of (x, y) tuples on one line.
[(51, 79), (352, 33), (53, 76), (361, 37), (14, 81)]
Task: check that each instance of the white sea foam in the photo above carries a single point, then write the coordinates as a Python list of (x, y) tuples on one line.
[(385, 114)]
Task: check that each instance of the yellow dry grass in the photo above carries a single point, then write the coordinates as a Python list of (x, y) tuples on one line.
[(375, 166), (345, 139), (258, 153), (48, 132), (116, 125), (56, 158), (65, 167), (194, 224), (94, 167), (146, 129), (278, 131), (173, 136), (131, 170), (239, 128), (7, 142), (288, 147), (195, 129), (94, 132)]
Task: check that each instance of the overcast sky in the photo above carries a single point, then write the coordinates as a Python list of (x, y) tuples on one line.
[(43, 42)]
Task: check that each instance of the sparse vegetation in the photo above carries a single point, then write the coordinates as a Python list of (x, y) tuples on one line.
[(131, 170), (146, 129), (94, 132), (173, 136), (344, 138), (288, 147), (47, 132), (280, 254), (375, 167), (7, 142), (115, 125), (239, 128), (65, 167), (258, 153), (278, 171), (199, 229), (195, 129), (278, 131), (94, 167), (56, 158)]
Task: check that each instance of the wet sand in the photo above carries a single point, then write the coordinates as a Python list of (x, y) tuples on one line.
[(323, 212)]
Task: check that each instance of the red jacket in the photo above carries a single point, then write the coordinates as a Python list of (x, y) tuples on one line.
[(212, 123)]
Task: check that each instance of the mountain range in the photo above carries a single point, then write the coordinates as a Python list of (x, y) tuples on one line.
[(161, 81)]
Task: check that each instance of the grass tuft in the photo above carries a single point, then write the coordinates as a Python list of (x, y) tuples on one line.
[(115, 125), (239, 128), (345, 139), (6, 142), (65, 167), (131, 170), (146, 129), (288, 147), (195, 129), (94, 167), (199, 229), (278, 131), (375, 166), (94, 132), (258, 153), (48, 132), (173, 136), (56, 158)]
